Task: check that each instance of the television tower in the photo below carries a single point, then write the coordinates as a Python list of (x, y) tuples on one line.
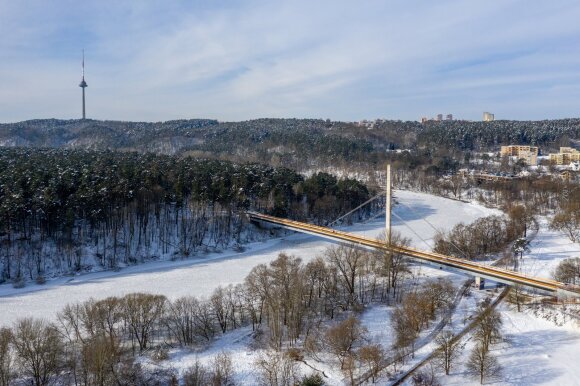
[(83, 84)]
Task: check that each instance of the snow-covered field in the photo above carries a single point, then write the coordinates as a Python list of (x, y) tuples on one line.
[(541, 347), (200, 276), (547, 250), (536, 352)]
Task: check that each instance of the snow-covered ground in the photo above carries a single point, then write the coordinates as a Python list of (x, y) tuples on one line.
[(464, 314), (377, 320), (536, 351), (200, 276), (541, 346), (547, 250), (236, 343)]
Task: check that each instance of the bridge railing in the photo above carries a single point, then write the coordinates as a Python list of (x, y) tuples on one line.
[(454, 262)]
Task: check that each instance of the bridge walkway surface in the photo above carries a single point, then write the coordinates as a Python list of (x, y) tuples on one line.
[(434, 259)]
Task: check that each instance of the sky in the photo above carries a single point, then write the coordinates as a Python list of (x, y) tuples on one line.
[(239, 60)]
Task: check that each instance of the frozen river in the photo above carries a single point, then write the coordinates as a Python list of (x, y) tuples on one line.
[(199, 276)]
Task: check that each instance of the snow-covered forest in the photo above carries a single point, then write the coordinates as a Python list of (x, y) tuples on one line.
[(269, 318), (87, 198), (73, 210), (297, 143)]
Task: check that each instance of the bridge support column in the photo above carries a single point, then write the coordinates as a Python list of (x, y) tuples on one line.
[(388, 207), (479, 282)]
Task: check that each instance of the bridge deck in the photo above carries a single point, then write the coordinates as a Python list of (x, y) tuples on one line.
[(476, 269)]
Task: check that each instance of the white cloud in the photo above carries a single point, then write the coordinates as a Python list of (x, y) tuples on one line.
[(340, 59)]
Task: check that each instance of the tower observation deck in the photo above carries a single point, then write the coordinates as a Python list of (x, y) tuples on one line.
[(83, 84)]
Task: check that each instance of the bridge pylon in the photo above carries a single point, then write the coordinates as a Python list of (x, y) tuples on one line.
[(388, 207)]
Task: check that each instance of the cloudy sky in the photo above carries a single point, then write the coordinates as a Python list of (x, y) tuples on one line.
[(237, 60)]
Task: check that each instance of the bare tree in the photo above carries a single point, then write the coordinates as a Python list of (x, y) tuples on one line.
[(485, 235), (141, 313), (517, 296), (257, 290), (349, 367), (520, 217), (315, 277), (568, 271), (196, 375), (284, 300), (448, 349), (568, 221), (342, 338), (218, 301), (410, 317), (204, 321), (392, 265), (39, 350), (107, 314), (482, 363), (348, 260), (99, 358), (455, 184), (276, 369), (277, 293), (70, 321), (222, 370), (314, 343), (489, 327), (425, 378), (180, 320), (6, 357), (372, 356), (439, 294), (127, 372)]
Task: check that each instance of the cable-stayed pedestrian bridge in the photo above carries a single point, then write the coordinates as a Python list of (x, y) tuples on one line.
[(434, 259)]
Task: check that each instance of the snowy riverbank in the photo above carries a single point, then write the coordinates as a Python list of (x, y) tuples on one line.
[(201, 275)]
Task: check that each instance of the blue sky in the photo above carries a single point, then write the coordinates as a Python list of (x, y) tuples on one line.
[(237, 60)]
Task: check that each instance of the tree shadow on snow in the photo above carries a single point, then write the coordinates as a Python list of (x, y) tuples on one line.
[(411, 212), (528, 361)]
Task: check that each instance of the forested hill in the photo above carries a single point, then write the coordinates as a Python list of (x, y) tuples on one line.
[(297, 143), (63, 209), (101, 135)]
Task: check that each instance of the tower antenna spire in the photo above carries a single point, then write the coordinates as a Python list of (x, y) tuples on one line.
[(83, 84)]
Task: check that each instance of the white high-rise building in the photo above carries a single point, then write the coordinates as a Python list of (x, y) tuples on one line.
[(488, 117)]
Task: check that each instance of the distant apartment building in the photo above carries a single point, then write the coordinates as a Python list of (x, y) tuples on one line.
[(569, 150), (566, 156), (527, 153), (437, 118), (488, 117)]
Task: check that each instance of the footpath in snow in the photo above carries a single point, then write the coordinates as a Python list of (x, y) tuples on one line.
[(541, 345), (535, 351)]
